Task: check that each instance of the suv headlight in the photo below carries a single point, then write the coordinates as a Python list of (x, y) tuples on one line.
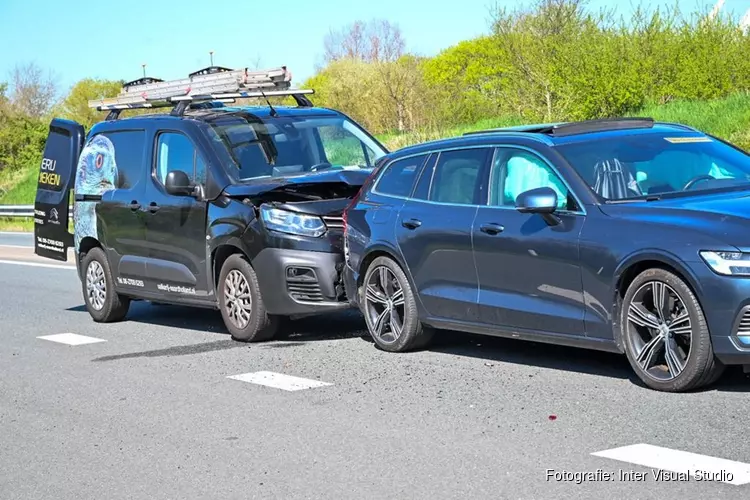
[(728, 263), (284, 221)]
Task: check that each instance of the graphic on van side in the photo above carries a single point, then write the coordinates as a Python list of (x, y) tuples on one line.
[(96, 174)]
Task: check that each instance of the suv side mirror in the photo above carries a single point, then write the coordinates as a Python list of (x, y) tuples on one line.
[(542, 201), (178, 183)]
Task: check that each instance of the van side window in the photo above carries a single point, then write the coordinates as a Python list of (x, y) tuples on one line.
[(175, 151), (112, 158), (398, 178)]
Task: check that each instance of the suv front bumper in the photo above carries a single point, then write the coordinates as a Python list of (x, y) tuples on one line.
[(297, 282)]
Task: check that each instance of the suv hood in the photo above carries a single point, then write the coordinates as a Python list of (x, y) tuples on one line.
[(325, 184), (725, 216)]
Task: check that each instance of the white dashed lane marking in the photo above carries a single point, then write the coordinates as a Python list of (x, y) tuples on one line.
[(279, 381), (700, 467), (71, 339), (36, 264)]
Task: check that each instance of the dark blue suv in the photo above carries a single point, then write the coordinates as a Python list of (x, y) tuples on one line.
[(622, 235)]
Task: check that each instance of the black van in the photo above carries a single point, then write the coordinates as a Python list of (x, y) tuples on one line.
[(235, 208)]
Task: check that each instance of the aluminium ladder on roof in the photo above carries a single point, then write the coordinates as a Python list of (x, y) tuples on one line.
[(212, 83)]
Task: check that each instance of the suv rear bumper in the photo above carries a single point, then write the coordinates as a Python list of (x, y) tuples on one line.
[(295, 282)]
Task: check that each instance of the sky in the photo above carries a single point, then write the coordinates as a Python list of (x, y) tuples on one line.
[(111, 39)]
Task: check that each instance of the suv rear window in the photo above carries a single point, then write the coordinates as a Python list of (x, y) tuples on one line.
[(398, 178), (288, 145)]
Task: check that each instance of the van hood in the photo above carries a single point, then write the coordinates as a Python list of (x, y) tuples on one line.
[(325, 184)]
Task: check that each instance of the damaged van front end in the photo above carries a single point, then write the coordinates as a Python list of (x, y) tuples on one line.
[(294, 238)]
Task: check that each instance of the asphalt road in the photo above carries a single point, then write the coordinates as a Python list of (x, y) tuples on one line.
[(16, 239), (150, 413)]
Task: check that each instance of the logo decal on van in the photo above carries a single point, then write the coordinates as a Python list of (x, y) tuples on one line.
[(47, 176), (96, 174)]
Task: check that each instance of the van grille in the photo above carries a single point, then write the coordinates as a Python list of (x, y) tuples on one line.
[(306, 292), (334, 221)]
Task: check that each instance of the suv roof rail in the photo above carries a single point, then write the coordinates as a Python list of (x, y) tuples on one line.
[(573, 128), (214, 83)]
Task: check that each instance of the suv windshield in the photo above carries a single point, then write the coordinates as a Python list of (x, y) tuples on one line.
[(634, 166), (289, 145)]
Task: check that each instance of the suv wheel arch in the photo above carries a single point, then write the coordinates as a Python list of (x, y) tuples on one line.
[(630, 269)]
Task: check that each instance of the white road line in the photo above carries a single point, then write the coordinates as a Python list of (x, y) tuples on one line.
[(71, 339), (16, 246), (279, 381), (35, 264), (698, 467), (17, 233)]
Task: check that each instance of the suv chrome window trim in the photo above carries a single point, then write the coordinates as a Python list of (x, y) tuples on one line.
[(427, 154), (494, 147)]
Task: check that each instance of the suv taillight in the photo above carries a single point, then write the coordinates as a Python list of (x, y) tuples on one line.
[(355, 198)]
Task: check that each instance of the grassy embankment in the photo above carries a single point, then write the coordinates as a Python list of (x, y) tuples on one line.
[(727, 118)]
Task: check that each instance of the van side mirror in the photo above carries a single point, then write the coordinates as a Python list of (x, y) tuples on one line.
[(178, 184), (541, 201)]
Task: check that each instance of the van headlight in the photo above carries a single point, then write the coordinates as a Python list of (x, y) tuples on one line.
[(727, 263), (288, 222)]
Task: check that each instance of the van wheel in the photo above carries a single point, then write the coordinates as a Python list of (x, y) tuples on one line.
[(390, 308), (665, 334), (102, 302), (241, 304)]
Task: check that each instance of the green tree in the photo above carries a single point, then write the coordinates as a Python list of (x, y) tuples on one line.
[(469, 81), (75, 105)]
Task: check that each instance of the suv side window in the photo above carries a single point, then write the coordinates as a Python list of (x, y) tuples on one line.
[(398, 178), (111, 159), (515, 171), (175, 151), (458, 176)]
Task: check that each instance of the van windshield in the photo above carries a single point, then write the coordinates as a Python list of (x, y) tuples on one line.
[(641, 165), (289, 145)]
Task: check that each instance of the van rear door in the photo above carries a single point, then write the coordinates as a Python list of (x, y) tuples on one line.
[(56, 176)]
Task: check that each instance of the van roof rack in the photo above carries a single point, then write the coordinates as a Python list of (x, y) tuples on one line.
[(573, 128), (214, 83)]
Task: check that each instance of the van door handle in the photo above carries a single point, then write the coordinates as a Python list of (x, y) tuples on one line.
[(153, 207), (134, 205), (491, 228), (411, 223)]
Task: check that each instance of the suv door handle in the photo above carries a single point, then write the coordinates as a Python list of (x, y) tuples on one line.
[(411, 223), (491, 228), (153, 207), (134, 205)]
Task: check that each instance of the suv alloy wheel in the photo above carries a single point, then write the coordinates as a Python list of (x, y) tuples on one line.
[(665, 334), (390, 308)]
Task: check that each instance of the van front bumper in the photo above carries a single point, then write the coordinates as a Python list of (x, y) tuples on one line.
[(297, 282)]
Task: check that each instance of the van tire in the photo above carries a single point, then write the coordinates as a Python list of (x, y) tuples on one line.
[(260, 325), (113, 306)]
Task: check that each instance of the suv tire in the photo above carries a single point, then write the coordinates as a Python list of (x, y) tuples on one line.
[(657, 341), (102, 302), (241, 304), (381, 300)]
